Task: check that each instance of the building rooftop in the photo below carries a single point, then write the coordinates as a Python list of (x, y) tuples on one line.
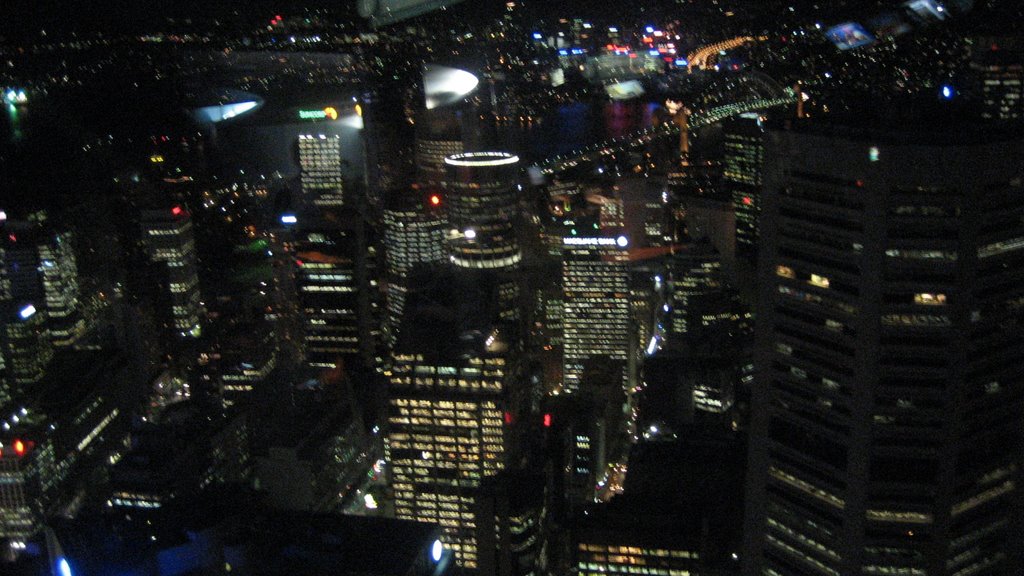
[(449, 313), (226, 528)]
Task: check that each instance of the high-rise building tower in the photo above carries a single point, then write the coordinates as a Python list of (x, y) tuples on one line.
[(333, 276), (320, 170), (447, 414), (743, 166), (596, 308), (168, 238), (414, 233), (37, 263), (482, 207), (25, 348), (60, 289), (888, 401), (999, 67), (446, 123)]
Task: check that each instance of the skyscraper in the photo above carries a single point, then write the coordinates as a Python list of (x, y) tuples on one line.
[(999, 66), (328, 278), (320, 170), (38, 263), (447, 414), (414, 233), (445, 124), (596, 309), (482, 206), (168, 238), (887, 407), (743, 166)]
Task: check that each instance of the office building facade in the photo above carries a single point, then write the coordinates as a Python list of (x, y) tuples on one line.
[(888, 396), (596, 305), (169, 239), (320, 170), (742, 171), (414, 233), (446, 434)]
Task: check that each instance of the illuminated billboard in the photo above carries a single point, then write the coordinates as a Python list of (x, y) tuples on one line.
[(849, 35)]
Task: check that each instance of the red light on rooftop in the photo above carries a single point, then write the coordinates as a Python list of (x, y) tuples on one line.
[(176, 210), (19, 447), (547, 420)]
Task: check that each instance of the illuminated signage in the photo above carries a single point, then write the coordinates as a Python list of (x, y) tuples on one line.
[(328, 112), (621, 241)]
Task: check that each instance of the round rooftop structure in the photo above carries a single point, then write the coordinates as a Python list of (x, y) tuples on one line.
[(482, 206), (481, 159)]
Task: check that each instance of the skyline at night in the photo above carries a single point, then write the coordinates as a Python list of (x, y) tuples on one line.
[(512, 288)]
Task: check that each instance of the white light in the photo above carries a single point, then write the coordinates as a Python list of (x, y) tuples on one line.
[(622, 241), (370, 502), (436, 550), (63, 567), (482, 159), (288, 219), (27, 312), (221, 112), (3, 215), (469, 234), (443, 85), (652, 345)]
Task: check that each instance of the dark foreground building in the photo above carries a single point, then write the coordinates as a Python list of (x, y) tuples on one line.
[(225, 533), (890, 394)]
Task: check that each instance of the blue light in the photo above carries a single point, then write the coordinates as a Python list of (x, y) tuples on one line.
[(682, 62), (948, 92), (288, 219), (649, 29), (63, 568), (538, 36), (563, 52), (653, 52)]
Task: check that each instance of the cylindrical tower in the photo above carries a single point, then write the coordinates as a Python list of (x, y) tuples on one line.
[(482, 205)]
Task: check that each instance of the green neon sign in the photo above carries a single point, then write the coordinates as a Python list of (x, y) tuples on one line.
[(328, 112)]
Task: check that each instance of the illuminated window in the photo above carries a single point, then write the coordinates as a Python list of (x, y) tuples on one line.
[(929, 299), (785, 271), (819, 281)]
